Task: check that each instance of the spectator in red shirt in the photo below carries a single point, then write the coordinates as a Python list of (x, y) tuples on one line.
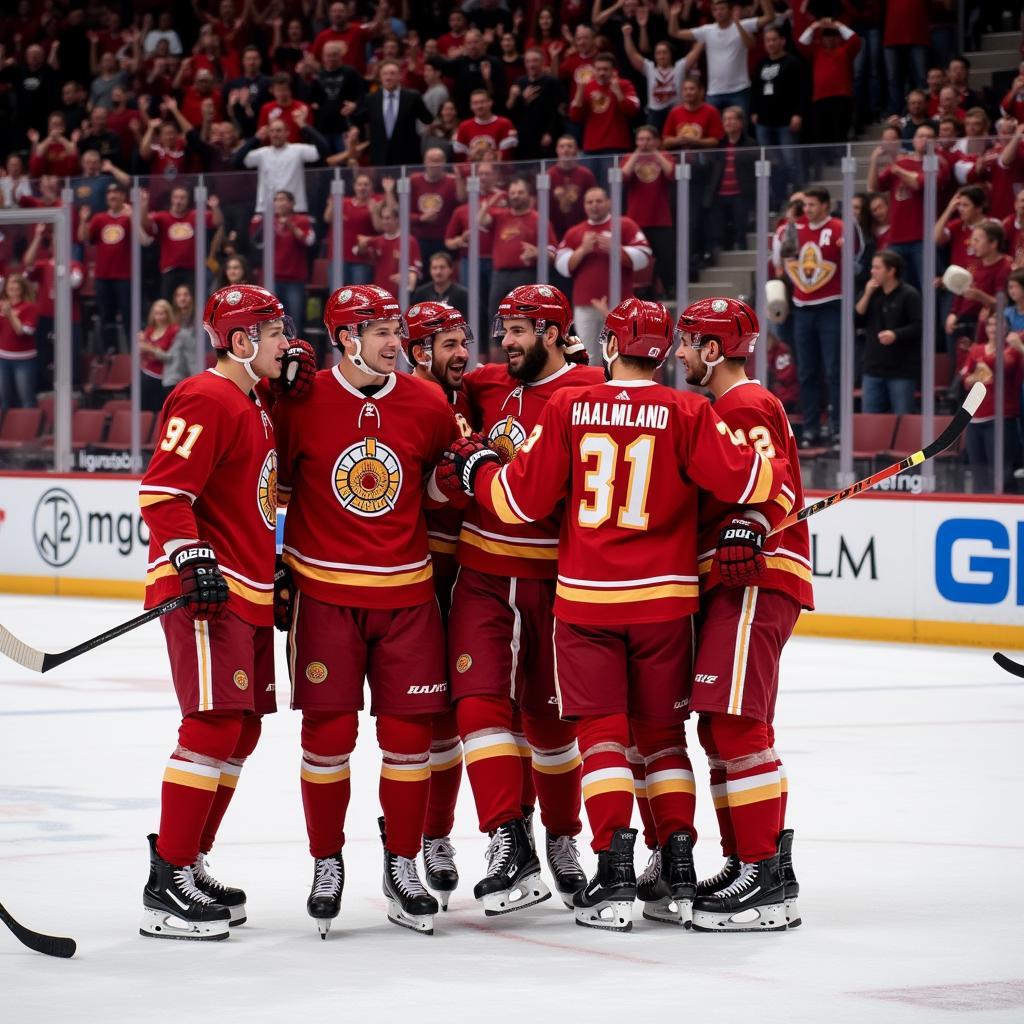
[(202, 88), (385, 250), (1013, 228), (56, 154), (18, 363), (110, 233), (732, 182), (570, 181), (990, 269), (484, 127), (936, 80), (576, 68), (1012, 104), (584, 256), (360, 215), (905, 43), (154, 343), (433, 195), (1002, 167), (831, 48), (284, 106), (294, 237), (604, 106), (174, 231), (354, 37), (649, 175), (693, 124)]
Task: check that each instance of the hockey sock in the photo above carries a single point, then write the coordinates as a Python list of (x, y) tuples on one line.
[(328, 739), (636, 762), (751, 784), (783, 780), (607, 778), (445, 775), (191, 779), (404, 779), (492, 758), (230, 771), (669, 776), (528, 799), (718, 794), (557, 769)]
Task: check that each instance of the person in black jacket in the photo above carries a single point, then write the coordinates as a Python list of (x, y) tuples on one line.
[(533, 107), (475, 69), (243, 96), (442, 286), (890, 312), (730, 184), (390, 118), (779, 97), (336, 93)]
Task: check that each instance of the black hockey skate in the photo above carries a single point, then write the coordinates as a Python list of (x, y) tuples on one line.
[(513, 878), (442, 876), (175, 907), (324, 902), (652, 891), (792, 886), (729, 873), (409, 903), (563, 858), (226, 895), (755, 902), (607, 899), (679, 878)]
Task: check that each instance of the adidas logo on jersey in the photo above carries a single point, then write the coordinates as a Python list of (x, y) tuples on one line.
[(622, 396), (420, 690)]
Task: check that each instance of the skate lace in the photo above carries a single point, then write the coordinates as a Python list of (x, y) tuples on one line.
[(326, 877), (652, 872), (406, 878), (203, 876), (747, 876), (497, 851), (439, 854), (564, 854), (713, 883), (186, 883)]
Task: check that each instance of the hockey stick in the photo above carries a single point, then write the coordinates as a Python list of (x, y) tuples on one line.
[(42, 661), (51, 945), (956, 427), (1007, 663)]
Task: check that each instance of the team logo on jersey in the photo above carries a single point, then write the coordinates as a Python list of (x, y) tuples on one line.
[(463, 663), (599, 102), (430, 202), (180, 231), (112, 234), (266, 492), (648, 171), (507, 437), (566, 195), (368, 478), (316, 672), (241, 680), (810, 270)]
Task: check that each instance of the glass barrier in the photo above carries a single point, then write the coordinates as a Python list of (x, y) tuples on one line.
[(865, 378)]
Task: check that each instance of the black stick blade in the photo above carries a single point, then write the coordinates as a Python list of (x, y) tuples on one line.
[(49, 945), (1008, 665)]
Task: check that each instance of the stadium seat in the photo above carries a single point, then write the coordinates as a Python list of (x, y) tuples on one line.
[(119, 437), (20, 427), (119, 375), (873, 433)]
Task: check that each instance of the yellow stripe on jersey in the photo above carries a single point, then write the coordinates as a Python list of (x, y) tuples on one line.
[(670, 781), (609, 596), (204, 665), (739, 665), (548, 552), (763, 486), (441, 547), (780, 562), (254, 596), (784, 501), (487, 745), (145, 500), (557, 764), (405, 772), (324, 774), (771, 791), (359, 579), (502, 509), (195, 776), (159, 573), (602, 786)]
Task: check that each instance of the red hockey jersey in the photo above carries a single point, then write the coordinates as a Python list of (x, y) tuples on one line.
[(353, 470), (815, 270), (444, 523), (213, 477), (506, 410), (628, 457), (756, 417)]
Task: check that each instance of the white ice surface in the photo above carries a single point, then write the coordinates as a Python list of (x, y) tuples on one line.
[(905, 767)]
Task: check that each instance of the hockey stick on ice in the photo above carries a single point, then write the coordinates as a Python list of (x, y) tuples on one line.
[(51, 945), (1009, 664), (42, 661), (956, 427)]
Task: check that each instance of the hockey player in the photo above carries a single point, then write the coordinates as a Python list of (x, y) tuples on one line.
[(436, 346), (627, 456), (355, 456), (750, 601), (209, 498), (501, 659)]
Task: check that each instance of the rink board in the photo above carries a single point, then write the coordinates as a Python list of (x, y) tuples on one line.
[(885, 567)]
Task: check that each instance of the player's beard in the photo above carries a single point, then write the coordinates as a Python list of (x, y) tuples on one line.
[(695, 377), (532, 363), (450, 381)]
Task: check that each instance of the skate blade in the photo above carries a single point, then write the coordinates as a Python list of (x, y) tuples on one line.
[(157, 924), (237, 916), (612, 916), (324, 925), (664, 911), (793, 919), (566, 898), (769, 918), (442, 897), (527, 892), (423, 924)]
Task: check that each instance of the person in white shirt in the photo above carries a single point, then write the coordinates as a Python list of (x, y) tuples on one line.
[(726, 41), (664, 76), (163, 30), (281, 166)]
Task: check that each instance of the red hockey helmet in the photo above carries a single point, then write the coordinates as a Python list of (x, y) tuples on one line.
[(730, 322), (642, 329), (426, 319), (544, 304), (242, 307), (354, 305)]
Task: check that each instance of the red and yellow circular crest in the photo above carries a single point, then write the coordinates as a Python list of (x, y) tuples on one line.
[(316, 672)]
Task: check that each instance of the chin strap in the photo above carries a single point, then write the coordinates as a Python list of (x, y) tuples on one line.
[(247, 363), (711, 366), (357, 360)]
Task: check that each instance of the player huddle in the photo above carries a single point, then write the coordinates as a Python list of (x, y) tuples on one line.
[(539, 568)]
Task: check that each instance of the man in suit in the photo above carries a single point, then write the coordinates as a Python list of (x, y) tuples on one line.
[(391, 116)]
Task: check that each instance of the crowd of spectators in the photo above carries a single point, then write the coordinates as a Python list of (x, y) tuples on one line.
[(256, 95)]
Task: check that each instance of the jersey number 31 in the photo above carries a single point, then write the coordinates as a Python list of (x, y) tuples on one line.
[(603, 453)]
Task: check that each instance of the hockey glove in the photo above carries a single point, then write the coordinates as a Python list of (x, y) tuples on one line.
[(298, 368), (576, 352), (284, 598), (460, 463), (739, 556), (203, 587)]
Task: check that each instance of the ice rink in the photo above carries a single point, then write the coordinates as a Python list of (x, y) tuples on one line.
[(906, 776)]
